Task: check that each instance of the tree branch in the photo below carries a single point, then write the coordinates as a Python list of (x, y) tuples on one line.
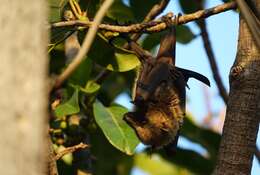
[(152, 26), (155, 11), (86, 43), (243, 110), (212, 60), (70, 150), (251, 20)]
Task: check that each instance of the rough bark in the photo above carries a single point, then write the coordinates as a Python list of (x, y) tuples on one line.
[(243, 110), (23, 102)]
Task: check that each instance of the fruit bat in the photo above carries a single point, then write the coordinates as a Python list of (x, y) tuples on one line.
[(160, 94)]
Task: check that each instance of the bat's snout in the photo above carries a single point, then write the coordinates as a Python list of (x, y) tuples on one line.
[(139, 100)]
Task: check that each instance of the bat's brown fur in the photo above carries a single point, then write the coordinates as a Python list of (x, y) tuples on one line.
[(160, 94)]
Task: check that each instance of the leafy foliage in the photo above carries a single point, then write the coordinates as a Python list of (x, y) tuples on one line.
[(115, 129), (112, 58), (88, 112), (69, 107)]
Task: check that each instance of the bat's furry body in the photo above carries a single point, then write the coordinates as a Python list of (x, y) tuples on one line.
[(159, 94), (158, 120)]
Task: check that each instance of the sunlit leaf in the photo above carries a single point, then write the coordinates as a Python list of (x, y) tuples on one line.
[(123, 62), (112, 58), (69, 107), (118, 133), (67, 158), (90, 88)]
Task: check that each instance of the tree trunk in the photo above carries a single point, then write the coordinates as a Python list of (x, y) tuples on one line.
[(23, 92), (243, 110)]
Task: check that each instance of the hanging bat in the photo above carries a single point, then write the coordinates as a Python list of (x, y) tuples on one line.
[(160, 94)]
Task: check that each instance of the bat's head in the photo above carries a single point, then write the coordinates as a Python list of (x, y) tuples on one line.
[(152, 75), (155, 127)]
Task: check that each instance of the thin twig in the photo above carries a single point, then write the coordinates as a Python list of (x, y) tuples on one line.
[(152, 26), (212, 60), (52, 165), (155, 11), (70, 150), (86, 43)]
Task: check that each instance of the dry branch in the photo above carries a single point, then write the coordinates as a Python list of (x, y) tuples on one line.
[(70, 150), (152, 26)]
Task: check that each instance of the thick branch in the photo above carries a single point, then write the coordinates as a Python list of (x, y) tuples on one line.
[(243, 110), (152, 26)]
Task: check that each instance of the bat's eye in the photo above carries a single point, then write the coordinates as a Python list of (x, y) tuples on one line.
[(143, 86)]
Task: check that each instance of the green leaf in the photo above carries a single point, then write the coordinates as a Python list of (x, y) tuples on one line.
[(82, 73), (56, 9), (91, 87), (67, 158), (118, 133), (69, 107), (183, 35), (120, 12), (123, 62), (112, 58)]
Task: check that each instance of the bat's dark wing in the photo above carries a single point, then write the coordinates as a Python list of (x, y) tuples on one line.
[(191, 74)]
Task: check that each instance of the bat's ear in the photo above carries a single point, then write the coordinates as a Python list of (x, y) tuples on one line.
[(191, 74), (167, 48)]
